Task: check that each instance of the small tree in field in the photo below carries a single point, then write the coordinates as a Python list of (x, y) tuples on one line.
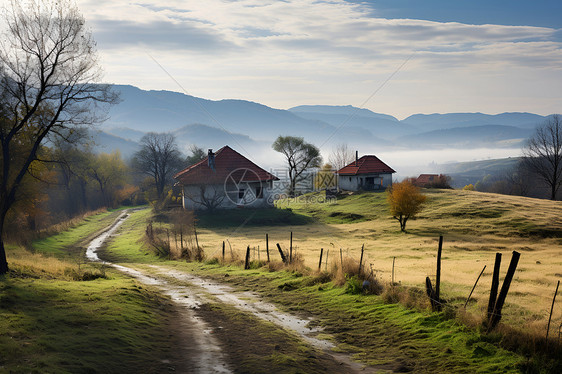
[(405, 201)]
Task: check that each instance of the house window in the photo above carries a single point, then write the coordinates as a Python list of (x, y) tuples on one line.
[(241, 192), (350, 179), (259, 192)]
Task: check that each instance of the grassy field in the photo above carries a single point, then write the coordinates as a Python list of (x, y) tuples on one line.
[(475, 226), (387, 335), (53, 321)]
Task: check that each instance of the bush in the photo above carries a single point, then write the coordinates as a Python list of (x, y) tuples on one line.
[(353, 285)]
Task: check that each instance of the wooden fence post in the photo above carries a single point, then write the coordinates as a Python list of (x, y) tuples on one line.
[(361, 260), (438, 274), (430, 292), (495, 285), (341, 259), (181, 237), (497, 314), (320, 262), (473, 287), (247, 262), (283, 258), (327, 258), (267, 245), (196, 239), (291, 249), (223, 247), (551, 309)]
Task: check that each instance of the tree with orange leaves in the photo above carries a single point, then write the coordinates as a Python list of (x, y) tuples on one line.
[(405, 201)]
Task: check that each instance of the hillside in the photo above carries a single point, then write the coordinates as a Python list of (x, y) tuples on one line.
[(464, 173), (475, 226)]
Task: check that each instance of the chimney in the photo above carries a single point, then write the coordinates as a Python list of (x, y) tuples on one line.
[(211, 159), (356, 157)]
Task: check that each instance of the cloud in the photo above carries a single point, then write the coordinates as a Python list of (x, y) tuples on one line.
[(159, 35), (279, 52)]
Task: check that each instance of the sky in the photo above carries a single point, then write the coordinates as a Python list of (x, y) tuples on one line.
[(397, 57)]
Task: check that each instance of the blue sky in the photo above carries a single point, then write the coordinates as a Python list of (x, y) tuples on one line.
[(397, 57), (501, 12)]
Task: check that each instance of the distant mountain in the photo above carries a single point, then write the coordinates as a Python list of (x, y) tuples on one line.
[(212, 124), (126, 133), (346, 110), (107, 143), (210, 137), (429, 122), (486, 136), (167, 111), (348, 118)]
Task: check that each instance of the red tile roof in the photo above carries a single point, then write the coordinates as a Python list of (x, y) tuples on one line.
[(229, 164), (367, 164), (425, 179)]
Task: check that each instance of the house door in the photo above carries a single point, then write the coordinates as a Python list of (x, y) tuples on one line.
[(373, 183)]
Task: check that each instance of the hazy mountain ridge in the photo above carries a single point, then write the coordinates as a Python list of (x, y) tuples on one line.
[(469, 137), (437, 121), (250, 125)]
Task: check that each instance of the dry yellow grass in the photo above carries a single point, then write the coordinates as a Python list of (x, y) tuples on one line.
[(26, 262), (475, 226)]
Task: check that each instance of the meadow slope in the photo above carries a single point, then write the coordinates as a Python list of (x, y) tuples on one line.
[(475, 226)]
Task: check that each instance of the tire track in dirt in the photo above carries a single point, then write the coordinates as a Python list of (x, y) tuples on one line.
[(201, 352), (252, 303)]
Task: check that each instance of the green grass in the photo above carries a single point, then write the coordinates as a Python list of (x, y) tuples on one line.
[(69, 241), (110, 326), (129, 246), (377, 333), (456, 210), (346, 209), (52, 324)]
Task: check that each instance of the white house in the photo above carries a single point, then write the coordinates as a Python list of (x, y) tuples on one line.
[(367, 173), (225, 180)]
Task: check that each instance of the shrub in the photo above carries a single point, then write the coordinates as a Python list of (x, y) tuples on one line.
[(353, 285)]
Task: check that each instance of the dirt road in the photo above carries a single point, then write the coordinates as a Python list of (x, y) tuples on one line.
[(224, 330)]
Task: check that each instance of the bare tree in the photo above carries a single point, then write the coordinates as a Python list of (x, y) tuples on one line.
[(299, 155), (341, 156), (48, 70), (543, 153), (158, 158)]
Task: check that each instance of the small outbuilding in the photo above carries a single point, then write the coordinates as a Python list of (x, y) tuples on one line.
[(225, 180), (367, 173), (426, 180)]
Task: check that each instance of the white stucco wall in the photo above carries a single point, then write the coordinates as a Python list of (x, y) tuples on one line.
[(243, 197), (358, 182)]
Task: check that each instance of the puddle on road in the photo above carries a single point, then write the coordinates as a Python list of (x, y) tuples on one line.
[(250, 302)]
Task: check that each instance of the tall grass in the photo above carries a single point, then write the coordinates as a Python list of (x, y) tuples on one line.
[(27, 264)]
